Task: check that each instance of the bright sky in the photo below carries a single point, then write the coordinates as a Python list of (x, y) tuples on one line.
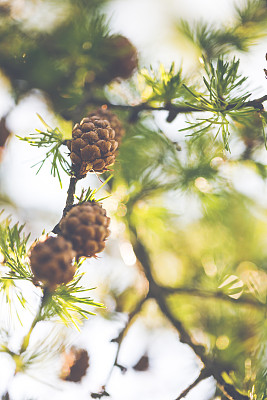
[(148, 23)]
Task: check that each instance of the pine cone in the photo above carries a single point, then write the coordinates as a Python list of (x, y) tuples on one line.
[(123, 57), (93, 146), (114, 121), (4, 132), (86, 227), (51, 261), (75, 365), (143, 364)]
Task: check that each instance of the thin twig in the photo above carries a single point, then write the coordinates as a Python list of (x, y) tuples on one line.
[(38, 318), (172, 108), (256, 103), (119, 340), (229, 391), (124, 331), (70, 194), (69, 201), (212, 295), (156, 292), (204, 373)]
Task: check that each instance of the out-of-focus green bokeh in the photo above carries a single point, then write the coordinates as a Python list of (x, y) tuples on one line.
[(200, 211)]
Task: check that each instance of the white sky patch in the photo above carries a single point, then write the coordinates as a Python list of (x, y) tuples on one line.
[(127, 253)]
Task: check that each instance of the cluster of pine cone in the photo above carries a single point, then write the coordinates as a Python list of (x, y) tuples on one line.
[(84, 229), (83, 232)]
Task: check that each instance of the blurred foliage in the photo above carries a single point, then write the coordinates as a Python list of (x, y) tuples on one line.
[(89, 194), (69, 303), (60, 61), (224, 99), (53, 139), (202, 232), (222, 250), (165, 85), (13, 247), (248, 26)]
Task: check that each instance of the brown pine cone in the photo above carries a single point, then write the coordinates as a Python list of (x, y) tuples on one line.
[(123, 57), (142, 364), (76, 363), (86, 227), (93, 146), (4, 135), (114, 121), (4, 132), (51, 261)]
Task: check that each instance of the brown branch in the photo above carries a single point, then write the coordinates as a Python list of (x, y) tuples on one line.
[(204, 373), (119, 340), (177, 109), (70, 194), (212, 295), (156, 292), (136, 109), (257, 103), (38, 318), (124, 331), (229, 391), (69, 201), (173, 109)]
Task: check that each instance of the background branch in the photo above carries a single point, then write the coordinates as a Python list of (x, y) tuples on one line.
[(70, 194), (212, 295), (136, 109), (69, 201), (157, 293), (256, 103), (119, 340), (204, 373), (38, 318)]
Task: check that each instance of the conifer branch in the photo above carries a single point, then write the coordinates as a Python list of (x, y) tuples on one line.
[(256, 103), (38, 318), (52, 139), (156, 292), (124, 331), (70, 194), (212, 295), (204, 373), (69, 201), (178, 109), (229, 390), (119, 340)]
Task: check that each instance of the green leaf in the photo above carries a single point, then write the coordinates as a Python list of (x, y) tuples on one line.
[(223, 97), (69, 303), (52, 139), (13, 246), (89, 194)]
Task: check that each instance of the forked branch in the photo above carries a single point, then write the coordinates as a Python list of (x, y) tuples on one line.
[(160, 297)]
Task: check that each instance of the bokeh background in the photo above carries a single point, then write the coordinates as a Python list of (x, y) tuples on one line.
[(200, 211)]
